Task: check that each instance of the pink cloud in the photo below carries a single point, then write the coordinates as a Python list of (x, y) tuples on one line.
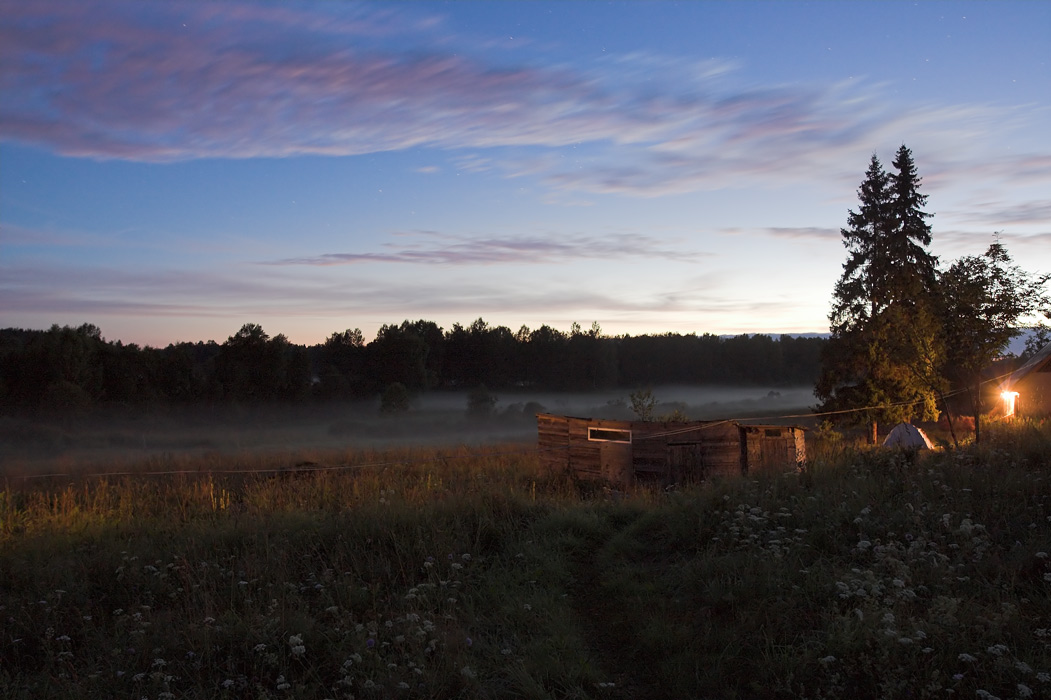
[(456, 250), (178, 81)]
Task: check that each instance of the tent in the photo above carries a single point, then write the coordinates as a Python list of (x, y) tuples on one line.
[(907, 436)]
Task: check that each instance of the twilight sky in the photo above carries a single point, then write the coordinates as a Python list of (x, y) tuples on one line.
[(172, 170)]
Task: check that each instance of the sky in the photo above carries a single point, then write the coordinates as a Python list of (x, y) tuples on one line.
[(170, 171)]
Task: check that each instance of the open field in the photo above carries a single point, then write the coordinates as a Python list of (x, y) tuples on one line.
[(435, 572)]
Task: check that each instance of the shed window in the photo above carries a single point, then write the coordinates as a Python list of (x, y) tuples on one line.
[(607, 435), (773, 432)]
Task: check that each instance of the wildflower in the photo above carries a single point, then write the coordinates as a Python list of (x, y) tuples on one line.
[(370, 642), (467, 672), (967, 658), (1024, 691), (997, 650), (1044, 677), (465, 557), (227, 684), (826, 660), (208, 621), (296, 642), (469, 641), (1023, 667), (403, 685), (259, 648), (282, 684)]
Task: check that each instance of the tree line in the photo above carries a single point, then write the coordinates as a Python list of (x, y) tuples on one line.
[(908, 334), (73, 369)]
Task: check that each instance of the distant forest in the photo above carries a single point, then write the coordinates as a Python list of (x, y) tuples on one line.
[(66, 369)]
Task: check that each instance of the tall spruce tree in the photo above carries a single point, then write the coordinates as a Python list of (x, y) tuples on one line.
[(878, 363)]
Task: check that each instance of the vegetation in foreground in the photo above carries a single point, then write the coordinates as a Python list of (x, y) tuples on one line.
[(458, 573)]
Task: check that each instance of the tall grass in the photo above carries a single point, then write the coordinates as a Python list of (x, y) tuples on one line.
[(427, 573)]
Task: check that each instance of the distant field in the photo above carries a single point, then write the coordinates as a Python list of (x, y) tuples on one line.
[(437, 572)]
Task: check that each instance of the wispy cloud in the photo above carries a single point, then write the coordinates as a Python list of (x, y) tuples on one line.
[(439, 249), (167, 81), (1001, 214), (811, 232)]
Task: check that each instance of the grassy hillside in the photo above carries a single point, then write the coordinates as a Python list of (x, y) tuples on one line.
[(426, 573)]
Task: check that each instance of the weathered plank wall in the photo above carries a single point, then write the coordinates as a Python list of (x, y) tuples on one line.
[(666, 452)]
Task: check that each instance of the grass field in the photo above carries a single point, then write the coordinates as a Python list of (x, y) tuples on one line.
[(469, 572)]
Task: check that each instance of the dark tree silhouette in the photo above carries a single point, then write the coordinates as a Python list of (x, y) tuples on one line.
[(882, 321), (982, 300)]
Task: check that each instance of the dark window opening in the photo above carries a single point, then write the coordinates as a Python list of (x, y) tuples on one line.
[(607, 435)]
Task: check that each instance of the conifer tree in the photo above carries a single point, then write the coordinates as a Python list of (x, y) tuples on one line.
[(884, 334)]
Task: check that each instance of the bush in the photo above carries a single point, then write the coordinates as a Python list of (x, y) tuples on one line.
[(395, 399), (480, 403)]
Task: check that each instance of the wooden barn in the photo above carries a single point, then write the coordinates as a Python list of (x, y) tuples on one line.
[(622, 452), (1027, 391)]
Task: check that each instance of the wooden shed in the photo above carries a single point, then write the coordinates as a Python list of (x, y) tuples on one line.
[(622, 452)]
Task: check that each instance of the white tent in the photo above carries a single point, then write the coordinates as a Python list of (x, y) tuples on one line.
[(907, 436)]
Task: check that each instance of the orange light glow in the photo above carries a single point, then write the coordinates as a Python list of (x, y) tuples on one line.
[(1009, 402)]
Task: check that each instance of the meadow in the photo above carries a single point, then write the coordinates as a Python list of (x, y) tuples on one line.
[(439, 572)]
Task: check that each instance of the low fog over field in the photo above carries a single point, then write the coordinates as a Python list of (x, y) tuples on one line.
[(697, 403), (437, 418)]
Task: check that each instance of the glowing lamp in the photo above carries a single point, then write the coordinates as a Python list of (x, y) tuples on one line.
[(1009, 402)]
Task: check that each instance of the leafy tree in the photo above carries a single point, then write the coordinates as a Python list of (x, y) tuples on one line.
[(253, 367), (480, 403), (590, 359), (342, 365), (983, 298), (398, 355), (543, 358), (643, 403), (481, 353), (882, 321), (395, 398)]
